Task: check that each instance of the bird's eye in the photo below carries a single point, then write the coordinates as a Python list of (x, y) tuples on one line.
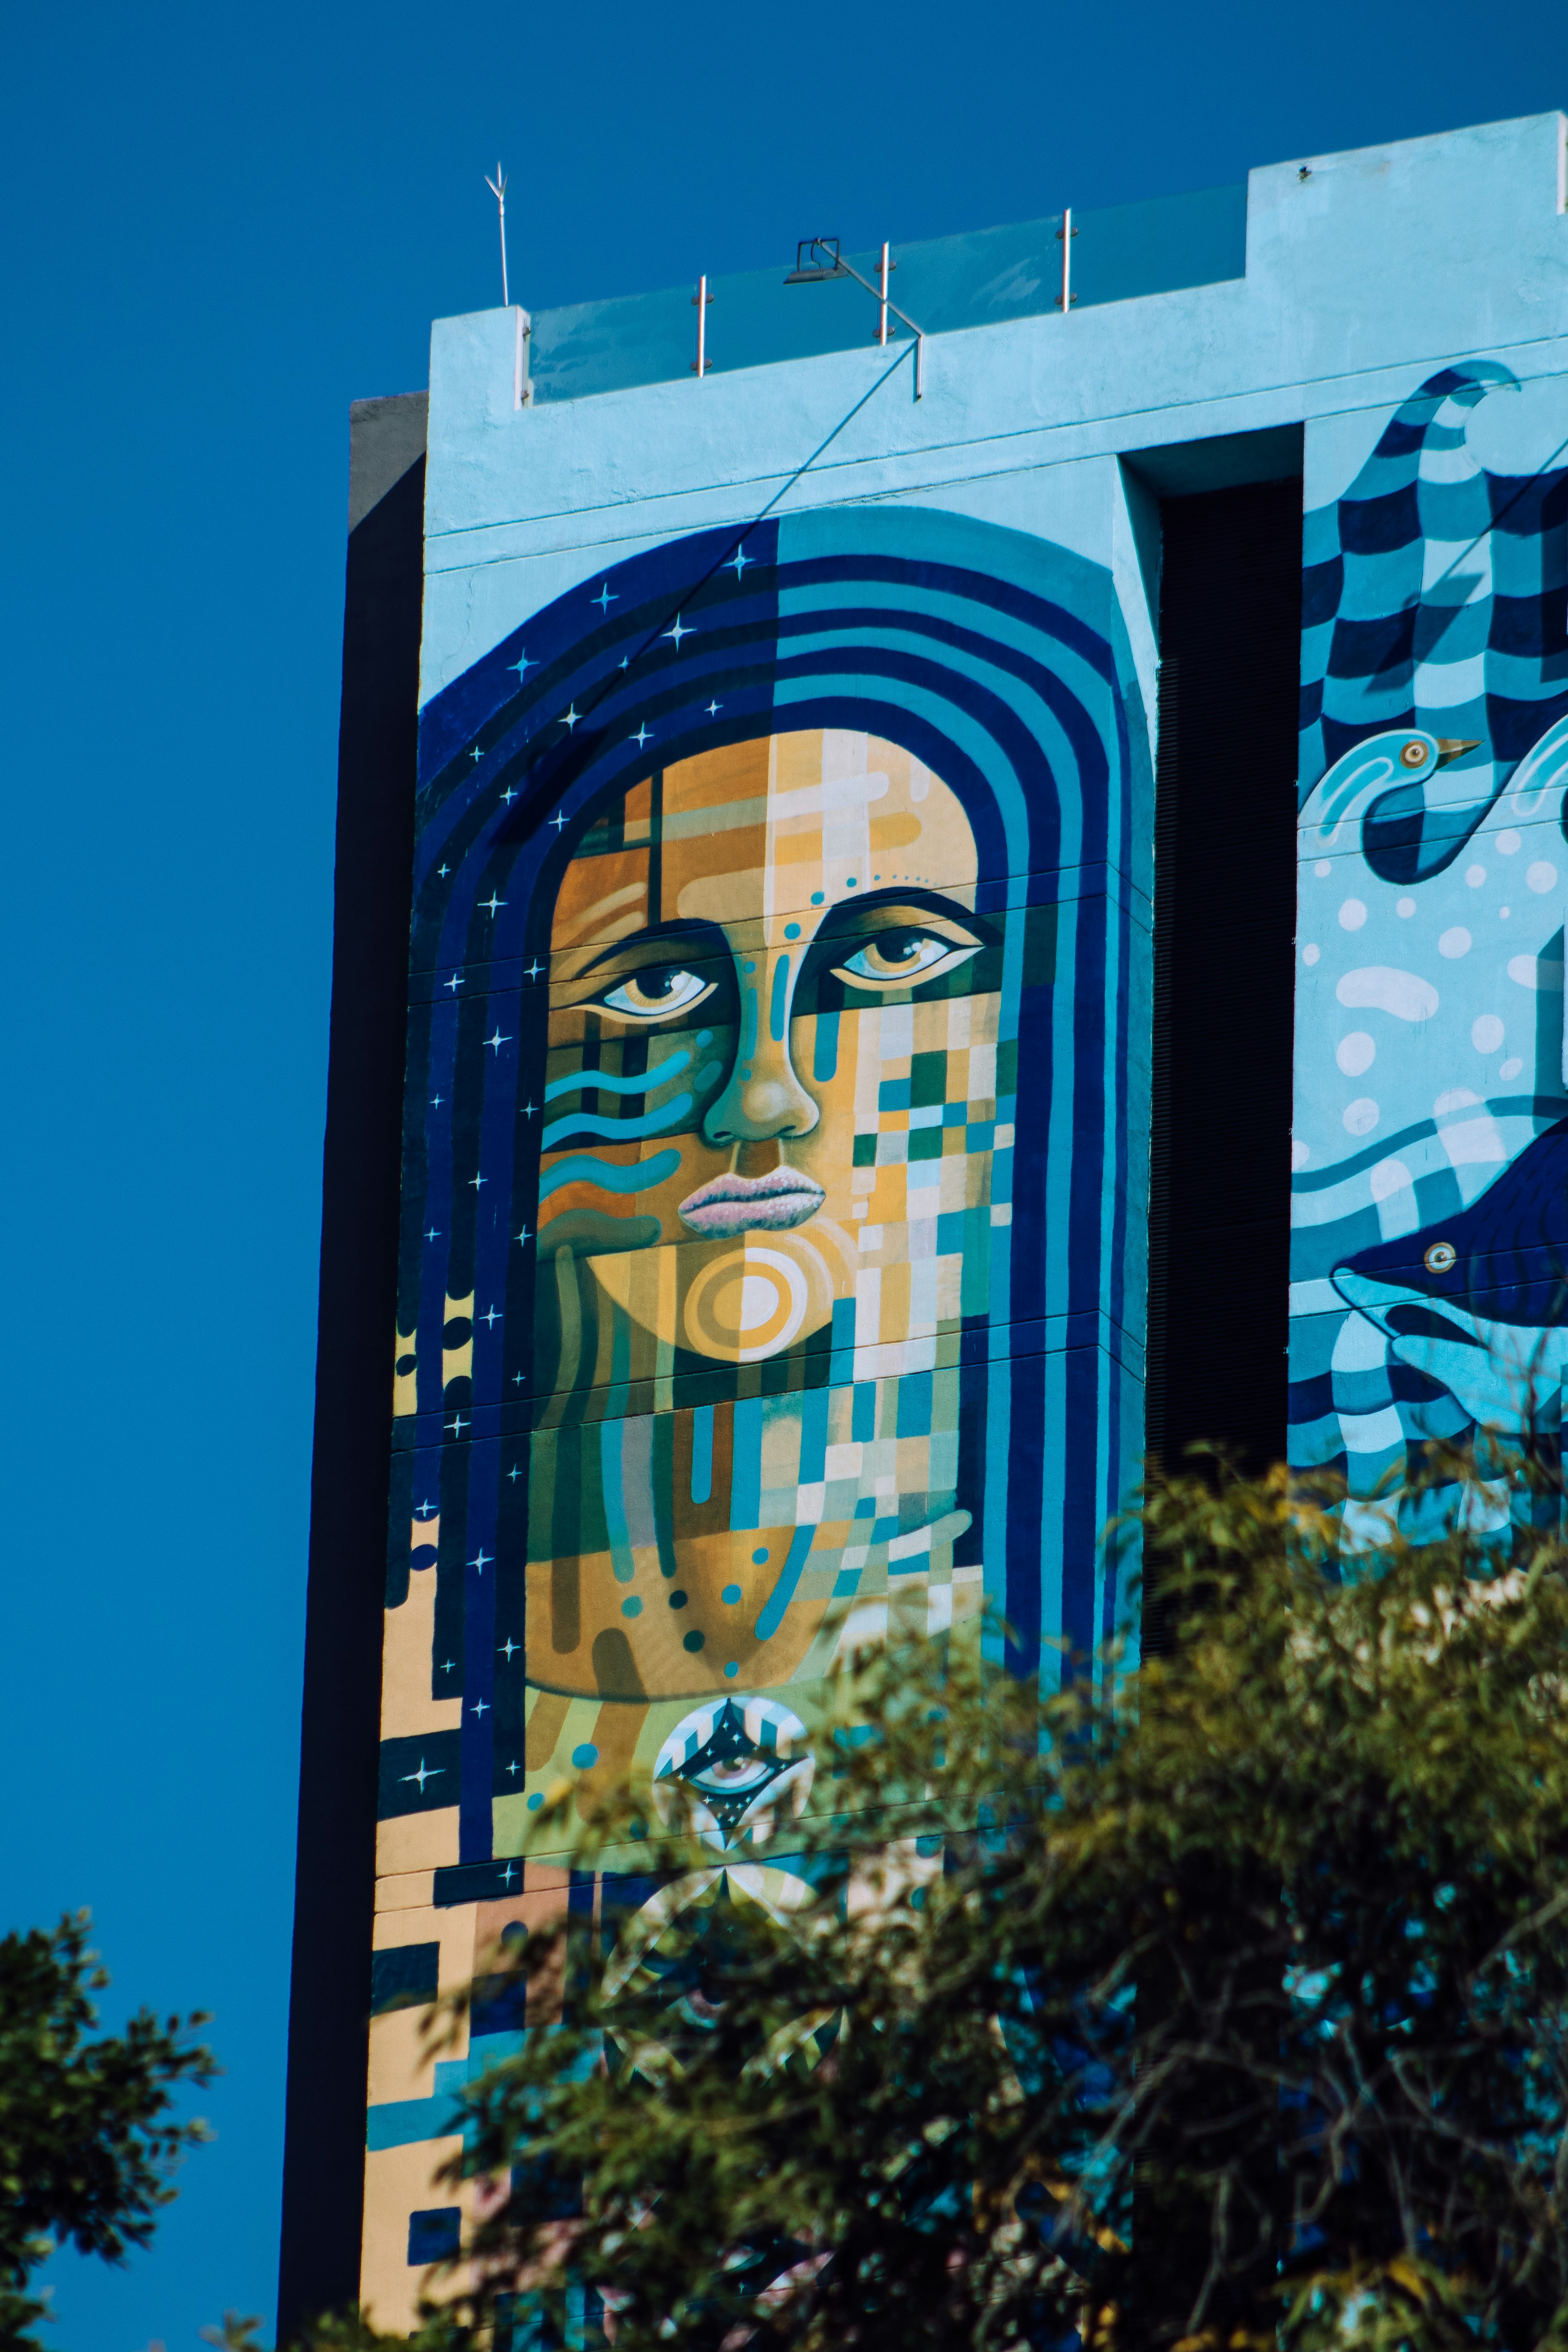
[(895, 959), (657, 991)]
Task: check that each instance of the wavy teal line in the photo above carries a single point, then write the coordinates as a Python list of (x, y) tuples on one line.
[(608, 1175), (588, 1122), (654, 1075)]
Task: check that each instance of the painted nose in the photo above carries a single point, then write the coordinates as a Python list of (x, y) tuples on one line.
[(770, 1102), (763, 1098)]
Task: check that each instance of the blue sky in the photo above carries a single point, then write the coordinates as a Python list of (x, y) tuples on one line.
[(222, 226)]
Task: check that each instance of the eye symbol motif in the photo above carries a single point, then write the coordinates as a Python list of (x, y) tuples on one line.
[(1441, 1257), (655, 992), (896, 959)]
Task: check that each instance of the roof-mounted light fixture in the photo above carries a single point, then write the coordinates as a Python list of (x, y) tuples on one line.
[(818, 257)]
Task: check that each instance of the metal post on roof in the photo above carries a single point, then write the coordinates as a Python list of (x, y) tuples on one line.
[(1067, 233), (701, 300), (497, 190), (882, 327)]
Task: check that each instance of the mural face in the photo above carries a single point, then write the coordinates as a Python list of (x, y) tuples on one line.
[(749, 1304), (1431, 1140), (759, 959)]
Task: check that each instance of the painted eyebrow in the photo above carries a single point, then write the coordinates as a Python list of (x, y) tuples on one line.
[(674, 933), (931, 902)]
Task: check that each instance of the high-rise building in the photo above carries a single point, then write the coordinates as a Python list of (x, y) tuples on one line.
[(865, 849)]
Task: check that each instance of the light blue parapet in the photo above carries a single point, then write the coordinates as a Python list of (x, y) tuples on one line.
[(1351, 283), (943, 283)]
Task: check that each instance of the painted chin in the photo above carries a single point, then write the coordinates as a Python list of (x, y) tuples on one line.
[(731, 1205)]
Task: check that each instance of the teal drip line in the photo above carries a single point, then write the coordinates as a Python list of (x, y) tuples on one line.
[(782, 1593)]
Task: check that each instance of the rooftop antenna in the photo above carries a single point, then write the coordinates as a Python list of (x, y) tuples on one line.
[(497, 190)]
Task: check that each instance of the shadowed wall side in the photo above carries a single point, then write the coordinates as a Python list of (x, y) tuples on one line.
[(335, 1884)]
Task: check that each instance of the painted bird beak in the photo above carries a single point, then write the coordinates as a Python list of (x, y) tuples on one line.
[(1450, 745)]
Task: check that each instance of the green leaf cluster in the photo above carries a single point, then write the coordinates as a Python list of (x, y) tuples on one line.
[(1221, 2000), (87, 2134)]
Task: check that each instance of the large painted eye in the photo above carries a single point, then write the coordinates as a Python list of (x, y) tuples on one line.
[(894, 959), (654, 993)]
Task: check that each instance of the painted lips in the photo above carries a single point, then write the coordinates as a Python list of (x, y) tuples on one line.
[(736, 1204)]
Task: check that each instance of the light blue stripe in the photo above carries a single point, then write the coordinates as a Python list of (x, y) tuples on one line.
[(825, 1052), (656, 1075), (616, 1395), (812, 1436), (782, 1593), (402, 2123), (746, 1463), (702, 1453), (779, 1000), (749, 1026), (612, 1488), (588, 1122), (608, 1175)]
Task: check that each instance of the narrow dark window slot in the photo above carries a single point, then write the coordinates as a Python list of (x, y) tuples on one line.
[(1225, 896)]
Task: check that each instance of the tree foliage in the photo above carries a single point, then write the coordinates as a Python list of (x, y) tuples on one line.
[(1220, 2001), (88, 2136)]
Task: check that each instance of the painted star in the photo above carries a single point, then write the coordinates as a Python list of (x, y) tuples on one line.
[(508, 796), (604, 599), (529, 1108), (423, 1775), (480, 1706), (558, 819), (491, 1318), (738, 562), (433, 1232), (443, 870), (493, 903), (455, 1428), (534, 969), (571, 718), (498, 1041), (643, 735), (678, 633), (523, 1236), (425, 1508), (477, 1181), (508, 1874), (486, 1560), (476, 754), (714, 708), (455, 983), (507, 1649), (511, 1768), (437, 1100), (522, 666)]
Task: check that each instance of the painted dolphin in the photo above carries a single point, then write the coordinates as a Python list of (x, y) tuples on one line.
[(1479, 1301)]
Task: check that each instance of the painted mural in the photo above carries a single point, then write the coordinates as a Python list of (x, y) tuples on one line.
[(1430, 1150), (774, 1112)]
